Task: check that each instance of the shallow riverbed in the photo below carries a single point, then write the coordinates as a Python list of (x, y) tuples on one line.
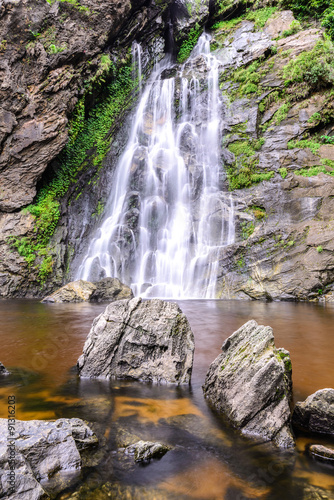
[(41, 343)]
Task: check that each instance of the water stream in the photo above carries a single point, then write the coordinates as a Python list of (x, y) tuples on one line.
[(168, 214)]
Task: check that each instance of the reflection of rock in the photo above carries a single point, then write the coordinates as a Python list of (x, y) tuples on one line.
[(3, 370), (42, 449), (145, 450), (150, 341), (250, 382), (321, 453), (316, 413)]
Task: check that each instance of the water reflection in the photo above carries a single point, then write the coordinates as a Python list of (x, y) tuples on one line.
[(41, 343)]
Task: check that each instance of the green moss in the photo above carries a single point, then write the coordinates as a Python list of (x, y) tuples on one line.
[(188, 44), (283, 172), (242, 173), (312, 171), (319, 249), (305, 143), (258, 212)]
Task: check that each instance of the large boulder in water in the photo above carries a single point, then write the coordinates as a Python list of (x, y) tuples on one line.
[(250, 383), (39, 451), (105, 290), (143, 340), (316, 413)]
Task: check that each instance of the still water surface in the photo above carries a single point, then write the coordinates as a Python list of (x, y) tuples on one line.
[(209, 461)]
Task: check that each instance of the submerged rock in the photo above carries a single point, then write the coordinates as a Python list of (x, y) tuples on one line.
[(143, 340), (250, 383), (321, 453), (145, 450), (76, 291), (316, 413), (107, 289), (3, 370), (42, 449)]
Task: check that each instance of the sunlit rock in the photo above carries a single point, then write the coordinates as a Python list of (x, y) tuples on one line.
[(143, 451), (105, 290), (321, 453), (142, 340), (250, 383), (316, 413)]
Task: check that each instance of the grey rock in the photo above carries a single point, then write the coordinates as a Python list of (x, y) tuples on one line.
[(109, 289), (250, 383), (143, 340), (3, 370), (278, 23), (42, 449), (145, 450), (316, 413)]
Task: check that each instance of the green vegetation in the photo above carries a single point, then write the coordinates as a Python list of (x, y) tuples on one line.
[(321, 10), (315, 68), (258, 212), (259, 17), (247, 229), (319, 249), (311, 171), (3, 45), (294, 28), (283, 172), (74, 3), (243, 171), (188, 44), (305, 143), (85, 134), (327, 139)]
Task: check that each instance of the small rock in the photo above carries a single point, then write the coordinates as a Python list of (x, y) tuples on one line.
[(3, 370), (110, 289), (145, 450), (142, 340), (321, 453), (316, 413), (250, 383)]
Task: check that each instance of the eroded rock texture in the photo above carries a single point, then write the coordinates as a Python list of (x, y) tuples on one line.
[(250, 383), (143, 340), (42, 450)]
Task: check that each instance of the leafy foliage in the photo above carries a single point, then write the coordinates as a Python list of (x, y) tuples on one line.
[(188, 44)]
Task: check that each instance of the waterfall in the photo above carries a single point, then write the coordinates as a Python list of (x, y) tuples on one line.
[(168, 215)]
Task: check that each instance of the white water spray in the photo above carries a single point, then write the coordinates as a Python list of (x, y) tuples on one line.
[(168, 217)]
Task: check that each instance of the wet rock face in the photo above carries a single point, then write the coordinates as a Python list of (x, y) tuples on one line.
[(42, 449), (250, 383), (142, 340), (316, 413), (144, 451)]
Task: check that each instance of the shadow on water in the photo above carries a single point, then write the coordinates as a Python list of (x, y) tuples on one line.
[(208, 460)]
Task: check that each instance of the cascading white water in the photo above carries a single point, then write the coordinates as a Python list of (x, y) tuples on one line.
[(168, 215)]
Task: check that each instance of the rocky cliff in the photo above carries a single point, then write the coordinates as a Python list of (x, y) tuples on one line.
[(67, 87)]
